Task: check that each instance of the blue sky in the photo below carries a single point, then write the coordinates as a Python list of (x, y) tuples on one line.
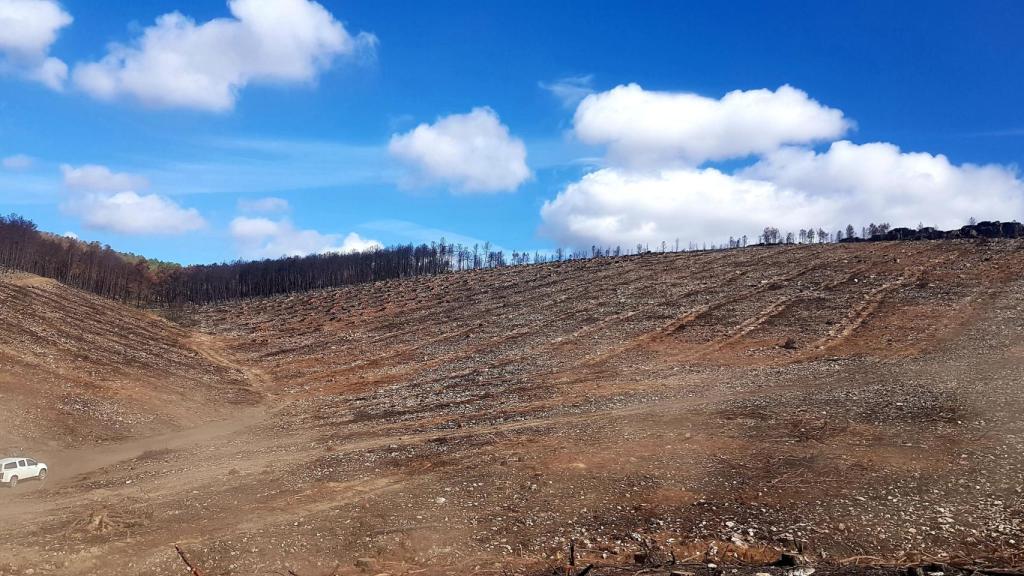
[(922, 77)]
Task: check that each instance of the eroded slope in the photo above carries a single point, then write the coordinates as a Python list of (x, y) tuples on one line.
[(76, 369), (861, 402)]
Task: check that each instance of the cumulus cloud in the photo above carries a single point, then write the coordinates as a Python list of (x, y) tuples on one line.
[(107, 200), (790, 189), (877, 181), (571, 89), (28, 28), (643, 128), (266, 205), (786, 186), (617, 207), (472, 152), (177, 62), (130, 213), (17, 162), (266, 238), (51, 72)]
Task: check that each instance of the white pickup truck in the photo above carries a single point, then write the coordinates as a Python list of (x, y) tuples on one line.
[(13, 470)]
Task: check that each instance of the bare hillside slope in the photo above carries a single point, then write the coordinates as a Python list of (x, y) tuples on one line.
[(76, 369), (858, 402)]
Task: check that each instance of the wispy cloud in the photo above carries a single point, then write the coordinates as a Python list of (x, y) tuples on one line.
[(999, 133), (28, 188), (571, 89), (268, 205), (566, 152), (403, 231), (17, 162), (255, 166)]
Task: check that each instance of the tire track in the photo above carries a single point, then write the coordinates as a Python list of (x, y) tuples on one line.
[(667, 330), (869, 305), (779, 306)]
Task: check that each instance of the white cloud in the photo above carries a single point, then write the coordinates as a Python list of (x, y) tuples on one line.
[(643, 128), (97, 178), (355, 243), (876, 182), (406, 231), (17, 162), (28, 28), (129, 213), (789, 187), (266, 238), (52, 72), (107, 200), (70, 235), (571, 89), (267, 205), (617, 207), (473, 152), (179, 63)]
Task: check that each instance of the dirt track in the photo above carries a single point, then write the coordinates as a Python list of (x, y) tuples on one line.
[(478, 421)]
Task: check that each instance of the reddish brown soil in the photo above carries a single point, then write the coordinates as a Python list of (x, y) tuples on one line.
[(76, 370), (476, 422)]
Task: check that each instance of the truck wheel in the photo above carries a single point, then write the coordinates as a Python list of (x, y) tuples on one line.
[(42, 474), (13, 482)]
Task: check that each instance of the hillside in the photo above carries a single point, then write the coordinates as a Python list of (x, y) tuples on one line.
[(859, 402), (76, 369)]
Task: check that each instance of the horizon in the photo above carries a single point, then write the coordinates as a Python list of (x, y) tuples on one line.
[(350, 125), (769, 236)]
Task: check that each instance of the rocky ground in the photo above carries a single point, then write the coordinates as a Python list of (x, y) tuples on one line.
[(855, 405), (79, 370)]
